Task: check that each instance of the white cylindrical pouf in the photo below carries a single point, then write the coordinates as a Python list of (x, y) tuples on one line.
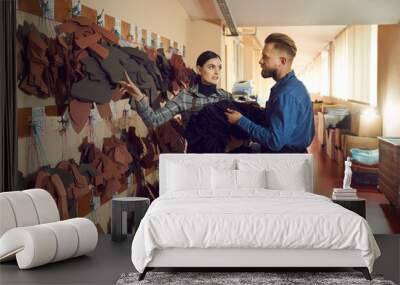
[(35, 245), (67, 239), (87, 234), (23, 207), (7, 217), (45, 205)]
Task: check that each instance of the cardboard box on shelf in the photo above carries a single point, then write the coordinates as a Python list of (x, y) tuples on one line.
[(316, 122), (317, 107), (351, 141), (366, 125), (332, 106), (339, 134), (330, 143), (321, 129), (340, 160), (323, 122)]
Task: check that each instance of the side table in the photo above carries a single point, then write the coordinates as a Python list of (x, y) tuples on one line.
[(356, 205), (121, 206)]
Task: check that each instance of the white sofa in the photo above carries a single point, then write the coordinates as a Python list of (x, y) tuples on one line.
[(31, 230)]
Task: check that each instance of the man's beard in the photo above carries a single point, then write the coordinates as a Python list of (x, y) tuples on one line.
[(265, 73)]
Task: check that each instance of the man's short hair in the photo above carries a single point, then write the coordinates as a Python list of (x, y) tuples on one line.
[(282, 42)]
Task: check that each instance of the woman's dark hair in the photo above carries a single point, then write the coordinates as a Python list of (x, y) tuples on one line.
[(204, 56)]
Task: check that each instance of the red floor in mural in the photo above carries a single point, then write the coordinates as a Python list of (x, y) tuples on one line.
[(328, 176)]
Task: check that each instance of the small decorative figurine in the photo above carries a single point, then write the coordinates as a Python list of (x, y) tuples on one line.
[(347, 174)]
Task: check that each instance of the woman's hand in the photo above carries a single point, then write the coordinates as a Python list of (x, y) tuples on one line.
[(128, 86)]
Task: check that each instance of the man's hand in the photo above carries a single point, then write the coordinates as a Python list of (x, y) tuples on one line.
[(232, 116), (127, 85)]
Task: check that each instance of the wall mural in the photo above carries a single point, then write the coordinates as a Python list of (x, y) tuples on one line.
[(79, 63)]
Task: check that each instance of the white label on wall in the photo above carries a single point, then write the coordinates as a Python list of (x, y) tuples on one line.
[(117, 27), (113, 109), (159, 42), (38, 118), (139, 36), (52, 123), (76, 8), (48, 9), (148, 39), (94, 114), (100, 18), (132, 34)]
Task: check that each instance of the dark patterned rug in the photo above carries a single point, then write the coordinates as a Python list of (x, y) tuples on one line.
[(273, 278)]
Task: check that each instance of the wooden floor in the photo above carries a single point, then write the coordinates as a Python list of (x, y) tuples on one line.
[(382, 217)]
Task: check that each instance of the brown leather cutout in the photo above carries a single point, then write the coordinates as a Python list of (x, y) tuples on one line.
[(62, 10), (79, 112), (104, 111), (89, 13)]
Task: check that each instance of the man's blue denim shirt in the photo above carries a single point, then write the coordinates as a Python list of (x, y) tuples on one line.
[(289, 124)]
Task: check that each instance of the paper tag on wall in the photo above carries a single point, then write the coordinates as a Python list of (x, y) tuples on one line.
[(149, 39), (76, 8), (96, 202), (48, 9), (132, 34), (94, 114), (113, 109), (139, 37), (158, 42), (52, 124), (100, 18), (117, 27), (38, 115)]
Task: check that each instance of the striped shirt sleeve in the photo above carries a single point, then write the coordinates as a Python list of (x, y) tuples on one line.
[(156, 118)]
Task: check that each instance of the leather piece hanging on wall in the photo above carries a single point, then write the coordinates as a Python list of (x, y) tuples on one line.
[(80, 186), (169, 139), (182, 74), (104, 111), (89, 13), (79, 113), (111, 165), (135, 148), (62, 10)]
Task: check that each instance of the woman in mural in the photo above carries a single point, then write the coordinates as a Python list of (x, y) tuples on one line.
[(188, 101)]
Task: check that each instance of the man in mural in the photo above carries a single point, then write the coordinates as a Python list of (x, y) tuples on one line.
[(289, 120)]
